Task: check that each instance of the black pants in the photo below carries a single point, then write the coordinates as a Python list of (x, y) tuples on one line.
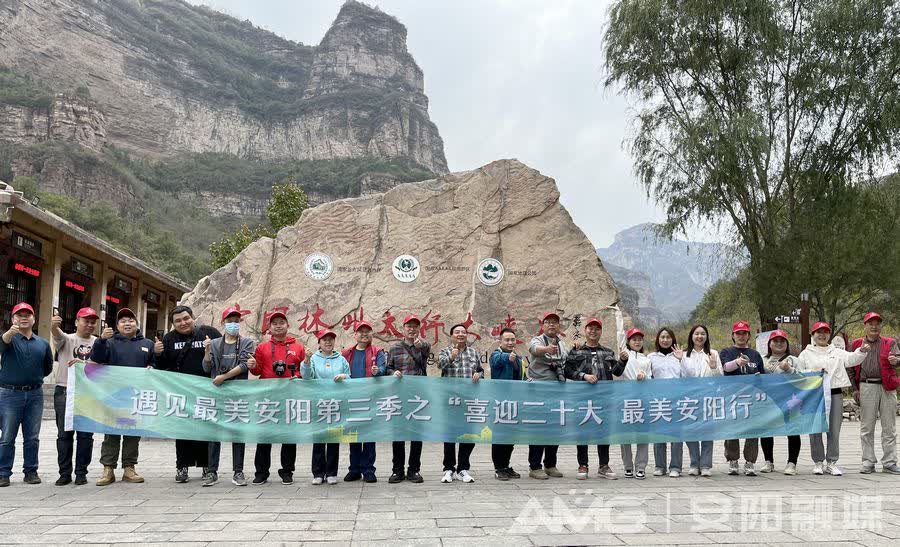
[(415, 456), (325, 459), (65, 440), (191, 453), (237, 456), (263, 459), (450, 461), (768, 448), (537, 451), (500, 455), (602, 453)]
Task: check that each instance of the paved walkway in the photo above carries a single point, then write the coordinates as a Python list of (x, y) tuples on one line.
[(770, 509)]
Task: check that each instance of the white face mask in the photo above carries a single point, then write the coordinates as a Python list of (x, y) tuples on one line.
[(232, 328)]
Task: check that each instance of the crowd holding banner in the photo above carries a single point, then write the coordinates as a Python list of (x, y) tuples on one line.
[(110, 384)]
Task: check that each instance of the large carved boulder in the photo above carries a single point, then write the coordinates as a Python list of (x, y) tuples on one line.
[(344, 260)]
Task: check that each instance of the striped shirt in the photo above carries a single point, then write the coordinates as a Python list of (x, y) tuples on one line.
[(467, 363)]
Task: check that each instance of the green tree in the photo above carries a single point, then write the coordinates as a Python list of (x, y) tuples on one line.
[(753, 112)]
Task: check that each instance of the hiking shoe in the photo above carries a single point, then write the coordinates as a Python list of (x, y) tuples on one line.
[(4, 482), (768, 467), (396, 477), (606, 472), (865, 470), (238, 479), (629, 474), (210, 478), (181, 475), (818, 469), (733, 468), (352, 477), (32, 478), (415, 477), (553, 472), (80, 480), (833, 470), (318, 480), (108, 476), (287, 477), (63, 480), (260, 479), (130, 475), (538, 474), (582, 472), (693, 471), (447, 476), (501, 475), (790, 469), (465, 476), (893, 469), (331, 480), (706, 472), (512, 473), (370, 478), (640, 474), (659, 472), (748, 469)]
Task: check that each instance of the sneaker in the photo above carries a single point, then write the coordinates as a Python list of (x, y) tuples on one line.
[(261, 479), (606, 472), (658, 472), (63, 480), (553, 472), (352, 477), (238, 479), (768, 467), (790, 469), (893, 469), (370, 478), (80, 480), (448, 476), (538, 474), (629, 474), (833, 470), (465, 476), (318, 480), (181, 475), (674, 473), (414, 477), (512, 473), (733, 468), (210, 478), (748, 469), (706, 472), (4, 482), (640, 474), (818, 469), (396, 477), (331, 480), (582, 473), (32, 478), (694, 472), (286, 477), (501, 475), (866, 470)]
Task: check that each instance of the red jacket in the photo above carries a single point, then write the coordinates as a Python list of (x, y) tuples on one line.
[(268, 351), (889, 380), (371, 354)]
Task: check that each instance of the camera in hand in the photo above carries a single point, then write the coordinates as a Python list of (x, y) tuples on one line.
[(279, 367)]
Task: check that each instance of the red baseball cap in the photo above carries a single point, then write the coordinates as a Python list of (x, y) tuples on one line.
[(412, 317), (870, 316), (548, 315), (231, 311), (777, 334), (87, 312), (22, 306), (325, 332), (819, 326), (277, 313), (633, 332), (594, 320), (125, 312), (741, 326), (360, 324)]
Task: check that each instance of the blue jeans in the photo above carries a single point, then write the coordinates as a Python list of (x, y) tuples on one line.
[(362, 458), (701, 454), (659, 454), (20, 408)]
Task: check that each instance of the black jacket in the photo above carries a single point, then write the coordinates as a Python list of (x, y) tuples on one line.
[(123, 351), (599, 361)]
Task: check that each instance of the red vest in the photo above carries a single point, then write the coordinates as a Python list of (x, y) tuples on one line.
[(889, 380), (371, 353)]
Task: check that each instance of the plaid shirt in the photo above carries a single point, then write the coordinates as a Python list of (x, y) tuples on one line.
[(408, 359), (467, 363)]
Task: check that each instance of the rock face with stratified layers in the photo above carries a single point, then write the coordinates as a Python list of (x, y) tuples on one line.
[(504, 211)]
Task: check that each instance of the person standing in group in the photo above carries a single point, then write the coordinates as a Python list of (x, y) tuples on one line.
[(875, 384), (126, 348), (278, 357), (668, 361), (181, 350), (548, 358), (227, 358), (325, 364), (701, 362), (408, 357), (70, 349), (366, 361), (459, 360), (25, 360), (780, 361), (822, 356), (505, 365), (741, 359), (592, 363), (636, 369)]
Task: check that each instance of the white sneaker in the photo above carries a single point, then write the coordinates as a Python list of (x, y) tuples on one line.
[(767, 468), (693, 471), (818, 469), (734, 468), (448, 476), (465, 476), (674, 473), (832, 469), (331, 480), (790, 469), (658, 472), (317, 480), (748, 469), (706, 472)]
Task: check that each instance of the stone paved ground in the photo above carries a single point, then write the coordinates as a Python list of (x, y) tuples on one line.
[(769, 509)]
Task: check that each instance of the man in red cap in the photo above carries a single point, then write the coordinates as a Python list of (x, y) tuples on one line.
[(70, 349), (741, 359), (408, 356), (875, 383), (366, 360), (26, 359), (278, 357), (548, 358)]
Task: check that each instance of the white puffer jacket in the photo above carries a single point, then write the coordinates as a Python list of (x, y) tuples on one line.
[(833, 360)]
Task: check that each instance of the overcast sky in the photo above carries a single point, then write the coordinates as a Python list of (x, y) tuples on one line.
[(508, 79)]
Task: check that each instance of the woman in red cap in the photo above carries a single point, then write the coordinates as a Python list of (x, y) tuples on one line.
[(778, 360), (637, 368), (822, 356)]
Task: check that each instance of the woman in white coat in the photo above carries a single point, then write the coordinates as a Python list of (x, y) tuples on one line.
[(637, 369), (701, 362), (821, 355)]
